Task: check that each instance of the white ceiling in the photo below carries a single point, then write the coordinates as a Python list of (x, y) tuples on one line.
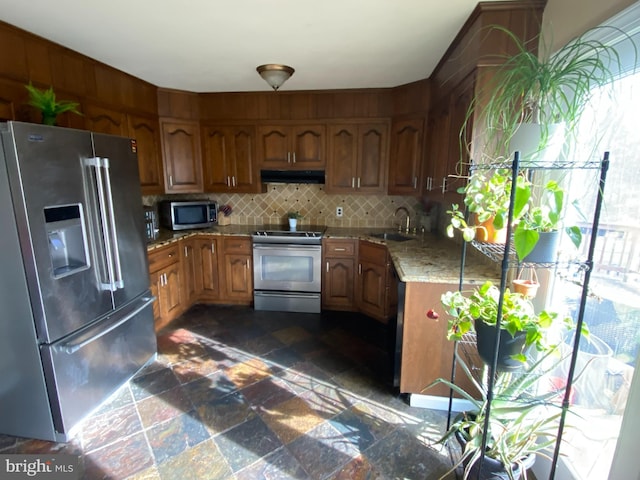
[(216, 45)]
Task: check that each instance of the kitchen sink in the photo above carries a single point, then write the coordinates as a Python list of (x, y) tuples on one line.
[(394, 236)]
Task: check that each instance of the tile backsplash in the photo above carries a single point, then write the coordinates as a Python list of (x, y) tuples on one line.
[(316, 207)]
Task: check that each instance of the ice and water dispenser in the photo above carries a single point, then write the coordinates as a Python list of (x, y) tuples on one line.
[(67, 239)]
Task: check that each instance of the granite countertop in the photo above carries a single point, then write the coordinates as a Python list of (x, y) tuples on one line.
[(424, 258)]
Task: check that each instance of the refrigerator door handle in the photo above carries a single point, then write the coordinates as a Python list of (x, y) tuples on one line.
[(72, 347), (98, 163), (118, 281)]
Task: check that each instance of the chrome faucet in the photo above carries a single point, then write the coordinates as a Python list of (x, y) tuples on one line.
[(408, 217)]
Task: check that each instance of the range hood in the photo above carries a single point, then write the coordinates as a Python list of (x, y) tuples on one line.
[(292, 176)]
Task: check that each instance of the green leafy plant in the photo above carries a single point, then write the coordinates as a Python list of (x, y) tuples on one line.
[(487, 195), (518, 315), (523, 418), (544, 88), (294, 215), (543, 215), (45, 101)]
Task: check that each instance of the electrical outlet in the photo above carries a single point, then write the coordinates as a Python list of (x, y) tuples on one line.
[(339, 211)]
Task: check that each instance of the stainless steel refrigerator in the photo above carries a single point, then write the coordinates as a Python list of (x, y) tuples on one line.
[(76, 319)]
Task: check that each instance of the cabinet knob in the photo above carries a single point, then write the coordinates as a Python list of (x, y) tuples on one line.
[(432, 314)]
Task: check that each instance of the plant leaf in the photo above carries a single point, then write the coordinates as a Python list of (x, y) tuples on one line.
[(524, 241)]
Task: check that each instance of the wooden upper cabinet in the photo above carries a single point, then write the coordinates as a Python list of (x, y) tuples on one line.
[(229, 159), (438, 142), (181, 156), (146, 131), (446, 162), (405, 159), (292, 147), (357, 158), (104, 120)]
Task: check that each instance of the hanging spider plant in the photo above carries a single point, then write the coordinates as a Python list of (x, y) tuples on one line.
[(544, 88)]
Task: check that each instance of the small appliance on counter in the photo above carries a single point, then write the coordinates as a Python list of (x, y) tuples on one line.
[(188, 215), (150, 223)]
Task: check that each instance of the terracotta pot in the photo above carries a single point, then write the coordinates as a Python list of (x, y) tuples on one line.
[(528, 288), (487, 233)]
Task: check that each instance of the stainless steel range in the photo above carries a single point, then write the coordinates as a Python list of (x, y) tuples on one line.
[(286, 269)]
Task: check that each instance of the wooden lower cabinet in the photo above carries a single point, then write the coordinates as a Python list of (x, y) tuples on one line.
[(166, 276), (190, 270), (237, 265), (376, 285), (209, 278), (426, 353), (338, 274)]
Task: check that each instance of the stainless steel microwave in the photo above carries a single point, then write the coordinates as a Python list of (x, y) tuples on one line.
[(188, 215)]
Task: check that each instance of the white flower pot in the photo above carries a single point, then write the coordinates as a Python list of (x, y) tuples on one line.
[(293, 223), (529, 141)]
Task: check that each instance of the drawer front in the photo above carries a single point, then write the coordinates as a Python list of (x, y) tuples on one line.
[(163, 257), (339, 248), (373, 253), (237, 245)]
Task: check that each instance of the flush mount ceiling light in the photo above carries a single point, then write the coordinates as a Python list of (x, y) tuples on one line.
[(275, 74)]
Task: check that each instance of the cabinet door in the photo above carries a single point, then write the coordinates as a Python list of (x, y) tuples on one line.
[(155, 286), (274, 150), (342, 162), (438, 148), (146, 131), (191, 268), (104, 120), (229, 159), (338, 284), (245, 177), (217, 159), (210, 279), (238, 277), (405, 159), (181, 156), (371, 292), (372, 158), (458, 155), (165, 286), (308, 147), (170, 294), (426, 353)]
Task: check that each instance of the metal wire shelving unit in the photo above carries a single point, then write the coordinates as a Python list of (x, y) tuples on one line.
[(505, 255)]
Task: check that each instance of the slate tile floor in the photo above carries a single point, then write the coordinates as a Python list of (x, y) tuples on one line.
[(244, 395)]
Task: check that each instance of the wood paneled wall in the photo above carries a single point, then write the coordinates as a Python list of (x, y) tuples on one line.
[(475, 45), (25, 58)]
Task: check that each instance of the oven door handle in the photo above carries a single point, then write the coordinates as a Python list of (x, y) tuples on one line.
[(285, 246), (286, 294)]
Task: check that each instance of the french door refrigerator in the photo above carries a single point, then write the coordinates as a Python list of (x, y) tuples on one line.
[(76, 318)]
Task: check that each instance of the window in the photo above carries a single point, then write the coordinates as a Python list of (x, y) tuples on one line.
[(612, 312)]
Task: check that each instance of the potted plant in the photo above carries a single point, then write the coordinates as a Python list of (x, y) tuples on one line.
[(521, 327), (293, 219), (540, 92), (487, 196), (536, 235), (522, 424), (528, 284), (45, 101)]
